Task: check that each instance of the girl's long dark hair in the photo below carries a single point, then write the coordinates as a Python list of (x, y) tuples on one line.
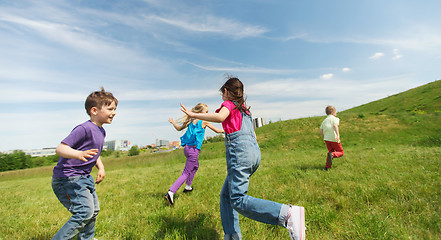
[(235, 93)]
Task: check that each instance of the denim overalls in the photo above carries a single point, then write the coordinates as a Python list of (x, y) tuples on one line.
[(243, 159)]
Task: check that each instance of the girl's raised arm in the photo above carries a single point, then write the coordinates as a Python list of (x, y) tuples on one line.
[(211, 117), (209, 125), (177, 126)]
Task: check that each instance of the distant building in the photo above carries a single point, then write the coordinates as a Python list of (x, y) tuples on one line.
[(162, 143), (117, 145), (258, 122), (174, 144), (44, 152)]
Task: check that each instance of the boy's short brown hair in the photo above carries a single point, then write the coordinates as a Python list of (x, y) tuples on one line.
[(99, 99), (330, 109)]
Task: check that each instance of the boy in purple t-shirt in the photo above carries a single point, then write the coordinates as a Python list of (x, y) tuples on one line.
[(79, 153)]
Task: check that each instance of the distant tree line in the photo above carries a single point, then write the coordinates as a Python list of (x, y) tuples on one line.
[(134, 150), (217, 138), (19, 160)]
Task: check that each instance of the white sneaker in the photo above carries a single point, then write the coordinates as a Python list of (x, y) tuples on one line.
[(296, 223), (169, 197)]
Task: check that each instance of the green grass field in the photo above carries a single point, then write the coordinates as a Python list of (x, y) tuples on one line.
[(386, 186)]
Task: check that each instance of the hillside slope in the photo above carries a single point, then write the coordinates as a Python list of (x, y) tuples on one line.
[(409, 118), (426, 98)]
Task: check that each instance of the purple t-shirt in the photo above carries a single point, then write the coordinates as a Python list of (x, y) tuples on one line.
[(83, 137)]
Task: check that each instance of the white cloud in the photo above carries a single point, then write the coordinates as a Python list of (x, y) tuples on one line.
[(276, 99), (397, 55), (80, 39), (377, 55), (284, 109), (211, 24), (327, 76), (32, 95), (346, 69), (165, 94), (245, 69), (418, 38)]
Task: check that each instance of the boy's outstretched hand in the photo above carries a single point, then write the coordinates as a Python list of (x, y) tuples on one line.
[(87, 154)]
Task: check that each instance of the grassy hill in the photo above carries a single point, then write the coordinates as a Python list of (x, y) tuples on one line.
[(423, 99), (408, 118), (386, 186)]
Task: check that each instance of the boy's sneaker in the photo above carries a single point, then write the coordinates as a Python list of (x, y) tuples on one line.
[(296, 223), (329, 159), (169, 197), (187, 189)]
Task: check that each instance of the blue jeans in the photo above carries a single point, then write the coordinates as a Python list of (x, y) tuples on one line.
[(243, 159), (78, 195)]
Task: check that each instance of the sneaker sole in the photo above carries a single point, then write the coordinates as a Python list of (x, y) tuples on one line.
[(166, 196)]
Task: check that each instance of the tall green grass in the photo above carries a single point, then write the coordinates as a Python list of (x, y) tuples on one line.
[(380, 192), (386, 186)]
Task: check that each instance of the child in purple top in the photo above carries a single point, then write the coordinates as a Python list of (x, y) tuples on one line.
[(79, 153)]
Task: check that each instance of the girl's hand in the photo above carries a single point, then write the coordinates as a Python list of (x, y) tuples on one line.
[(170, 120), (186, 111)]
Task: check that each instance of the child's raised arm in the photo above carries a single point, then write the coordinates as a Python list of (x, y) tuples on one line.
[(209, 125), (66, 151), (211, 117), (177, 126)]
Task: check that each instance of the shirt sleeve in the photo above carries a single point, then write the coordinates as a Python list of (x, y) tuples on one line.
[(75, 137), (228, 104)]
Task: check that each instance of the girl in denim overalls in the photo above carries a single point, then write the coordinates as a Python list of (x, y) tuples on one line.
[(192, 142), (243, 159)]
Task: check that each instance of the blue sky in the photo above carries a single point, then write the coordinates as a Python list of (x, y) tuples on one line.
[(294, 57)]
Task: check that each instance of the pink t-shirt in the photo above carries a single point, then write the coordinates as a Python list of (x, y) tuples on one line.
[(233, 122)]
